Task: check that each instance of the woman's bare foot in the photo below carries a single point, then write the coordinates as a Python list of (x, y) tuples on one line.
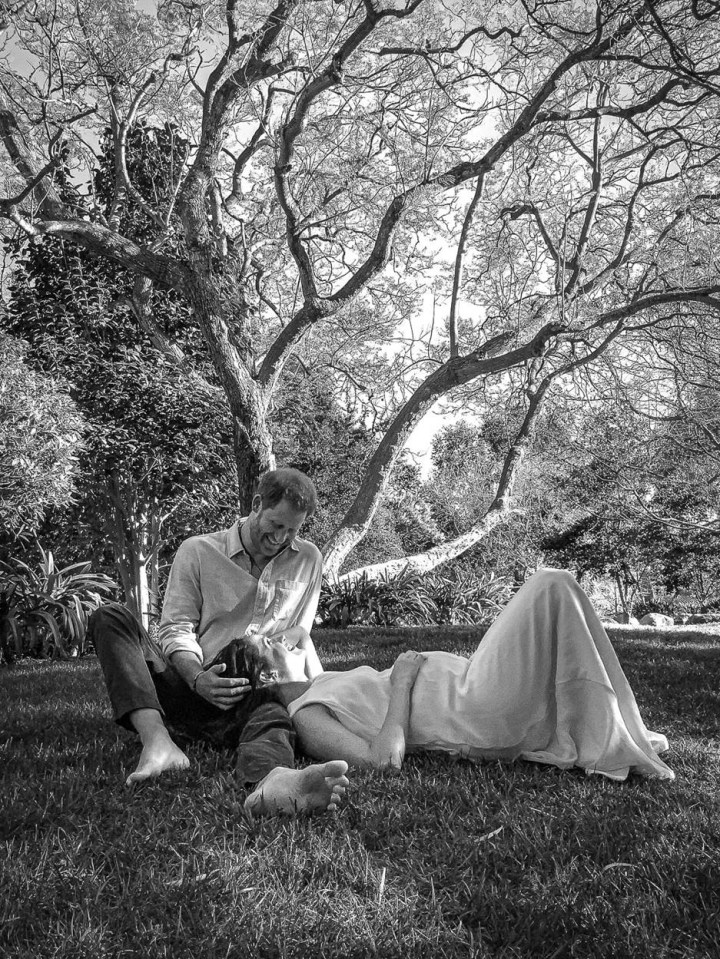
[(159, 753), (317, 788)]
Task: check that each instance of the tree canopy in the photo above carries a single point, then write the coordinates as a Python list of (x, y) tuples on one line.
[(546, 173)]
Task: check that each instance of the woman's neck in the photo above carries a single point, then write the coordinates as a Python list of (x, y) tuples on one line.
[(289, 692)]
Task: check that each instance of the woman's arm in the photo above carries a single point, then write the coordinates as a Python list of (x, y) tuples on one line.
[(324, 737), (388, 747)]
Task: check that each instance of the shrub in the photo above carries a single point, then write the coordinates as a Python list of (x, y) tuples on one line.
[(455, 597), (45, 611)]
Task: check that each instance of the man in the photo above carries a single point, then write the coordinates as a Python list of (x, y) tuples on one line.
[(256, 578)]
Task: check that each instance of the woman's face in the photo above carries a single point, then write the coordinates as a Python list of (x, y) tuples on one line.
[(282, 662)]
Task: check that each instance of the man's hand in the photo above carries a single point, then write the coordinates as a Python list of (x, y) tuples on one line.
[(221, 692), (406, 668)]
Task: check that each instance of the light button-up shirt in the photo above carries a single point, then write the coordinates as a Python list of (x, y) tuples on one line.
[(212, 598)]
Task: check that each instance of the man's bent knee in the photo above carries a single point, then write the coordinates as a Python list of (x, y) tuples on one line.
[(111, 622), (111, 613)]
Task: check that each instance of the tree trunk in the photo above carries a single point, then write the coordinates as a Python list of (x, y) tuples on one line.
[(253, 452), (220, 315), (133, 532), (137, 595)]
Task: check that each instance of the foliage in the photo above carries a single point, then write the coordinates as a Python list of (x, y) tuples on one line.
[(464, 476), (316, 432), (640, 513), (552, 168), (40, 441), (149, 455), (44, 610), (448, 598)]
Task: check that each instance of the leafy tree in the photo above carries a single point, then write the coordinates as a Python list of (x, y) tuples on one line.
[(546, 171), (40, 440)]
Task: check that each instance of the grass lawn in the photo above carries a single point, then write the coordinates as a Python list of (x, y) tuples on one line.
[(447, 858)]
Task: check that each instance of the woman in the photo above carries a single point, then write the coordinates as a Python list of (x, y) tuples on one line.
[(543, 685)]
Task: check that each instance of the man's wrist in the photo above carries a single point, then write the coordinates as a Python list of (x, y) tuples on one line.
[(187, 664), (197, 676)]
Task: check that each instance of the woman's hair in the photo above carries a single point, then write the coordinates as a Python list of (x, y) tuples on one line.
[(289, 484), (242, 660), (255, 662)]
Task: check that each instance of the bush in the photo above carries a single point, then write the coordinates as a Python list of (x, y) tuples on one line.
[(45, 611), (451, 598)]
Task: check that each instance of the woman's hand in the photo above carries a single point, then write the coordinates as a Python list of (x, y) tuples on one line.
[(297, 636), (406, 668), (300, 638), (388, 747)]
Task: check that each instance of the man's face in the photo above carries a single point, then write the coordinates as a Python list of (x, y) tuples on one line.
[(273, 528)]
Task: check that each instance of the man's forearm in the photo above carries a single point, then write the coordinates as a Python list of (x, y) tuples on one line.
[(187, 664)]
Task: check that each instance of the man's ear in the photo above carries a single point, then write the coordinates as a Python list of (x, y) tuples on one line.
[(257, 503)]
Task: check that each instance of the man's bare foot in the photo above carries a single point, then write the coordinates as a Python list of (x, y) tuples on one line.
[(159, 753), (317, 788), (156, 758)]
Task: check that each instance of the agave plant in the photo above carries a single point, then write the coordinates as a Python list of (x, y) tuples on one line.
[(45, 611), (465, 597), (455, 597)]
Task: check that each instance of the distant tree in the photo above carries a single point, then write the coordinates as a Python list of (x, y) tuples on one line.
[(636, 510)]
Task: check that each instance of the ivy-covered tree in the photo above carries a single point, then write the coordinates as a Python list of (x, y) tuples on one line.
[(149, 453)]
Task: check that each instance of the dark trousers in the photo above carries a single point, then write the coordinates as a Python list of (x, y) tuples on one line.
[(138, 677)]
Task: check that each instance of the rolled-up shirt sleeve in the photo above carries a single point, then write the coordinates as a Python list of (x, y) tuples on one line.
[(307, 607), (183, 604)]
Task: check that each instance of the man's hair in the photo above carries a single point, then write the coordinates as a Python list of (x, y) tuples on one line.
[(289, 484)]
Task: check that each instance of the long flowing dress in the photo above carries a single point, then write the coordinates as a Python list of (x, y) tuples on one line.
[(544, 685)]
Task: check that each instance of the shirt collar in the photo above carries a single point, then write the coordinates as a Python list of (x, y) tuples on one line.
[(235, 545)]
